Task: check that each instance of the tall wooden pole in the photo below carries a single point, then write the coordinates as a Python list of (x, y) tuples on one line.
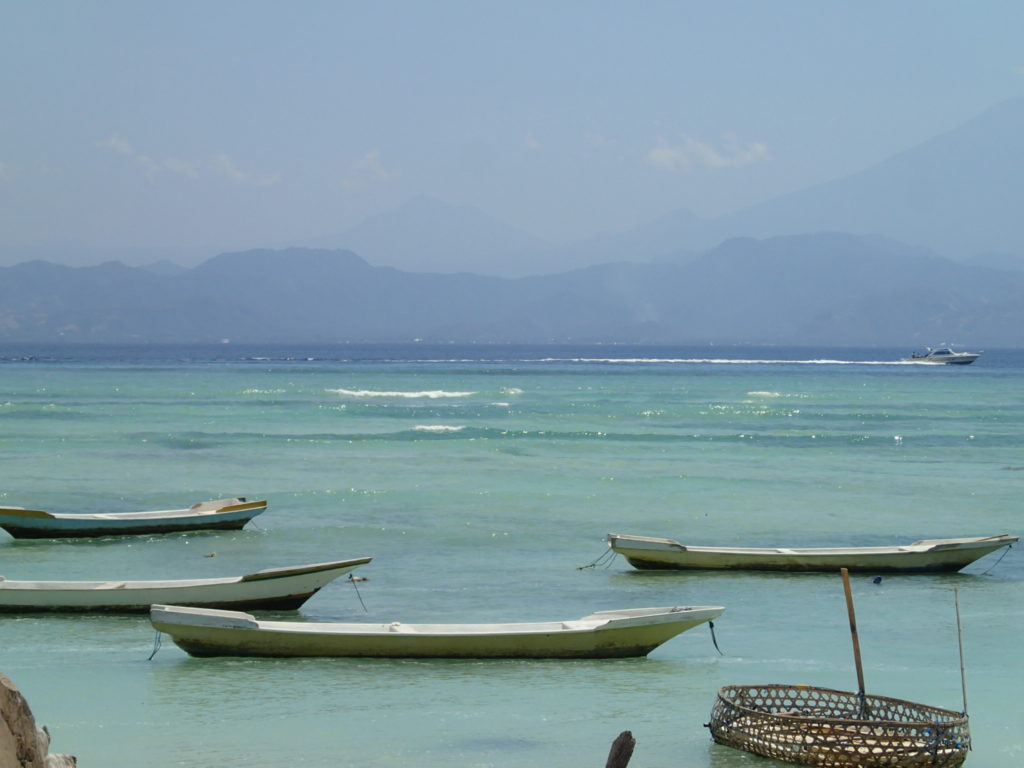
[(960, 640), (853, 632)]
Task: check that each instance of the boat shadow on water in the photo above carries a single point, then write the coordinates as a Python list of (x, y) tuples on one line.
[(186, 679)]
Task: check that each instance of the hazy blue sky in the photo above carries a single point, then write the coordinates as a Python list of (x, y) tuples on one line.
[(223, 125)]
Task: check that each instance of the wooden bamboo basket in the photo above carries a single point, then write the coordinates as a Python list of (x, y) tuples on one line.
[(838, 729)]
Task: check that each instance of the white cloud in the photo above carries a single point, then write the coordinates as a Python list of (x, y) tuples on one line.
[(117, 144), (180, 167), (688, 152), (227, 168), (367, 171), (120, 145), (151, 166), (167, 165), (176, 166)]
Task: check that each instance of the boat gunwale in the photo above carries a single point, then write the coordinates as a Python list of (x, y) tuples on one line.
[(98, 585), (187, 513), (269, 574), (920, 546), (232, 620)]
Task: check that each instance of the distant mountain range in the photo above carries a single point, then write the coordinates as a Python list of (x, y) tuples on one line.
[(427, 235), (924, 248), (956, 194), (821, 289)]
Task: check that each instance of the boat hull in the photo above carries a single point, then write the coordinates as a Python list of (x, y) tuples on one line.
[(957, 360), (273, 589), (238, 634), (35, 524), (928, 556)]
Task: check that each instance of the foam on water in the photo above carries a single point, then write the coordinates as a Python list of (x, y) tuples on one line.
[(430, 395), (721, 361)]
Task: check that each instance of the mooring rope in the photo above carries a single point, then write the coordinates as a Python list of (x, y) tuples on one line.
[(156, 645), (1008, 548), (714, 642), (863, 712), (605, 559), (351, 578)]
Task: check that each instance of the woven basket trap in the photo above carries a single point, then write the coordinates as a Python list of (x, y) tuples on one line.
[(838, 729)]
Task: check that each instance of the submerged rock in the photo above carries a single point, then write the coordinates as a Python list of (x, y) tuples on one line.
[(22, 743)]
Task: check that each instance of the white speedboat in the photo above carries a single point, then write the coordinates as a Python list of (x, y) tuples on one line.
[(944, 356)]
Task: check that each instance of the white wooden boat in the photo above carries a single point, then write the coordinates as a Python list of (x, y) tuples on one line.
[(926, 555), (222, 514), (606, 634), (273, 588)]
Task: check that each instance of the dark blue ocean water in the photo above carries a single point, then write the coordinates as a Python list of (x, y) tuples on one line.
[(172, 354)]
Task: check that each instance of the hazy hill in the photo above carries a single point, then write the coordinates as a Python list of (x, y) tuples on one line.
[(1013, 263), (323, 295), (40, 300), (956, 194), (843, 289), (428, 235), (668, 236), (830, 289)]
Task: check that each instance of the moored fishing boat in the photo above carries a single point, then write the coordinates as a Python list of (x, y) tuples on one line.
[(605, 634), (222, 514), (273, 588), (926, 555)]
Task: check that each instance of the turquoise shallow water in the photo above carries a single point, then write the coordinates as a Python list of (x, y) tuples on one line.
[(479, 479)]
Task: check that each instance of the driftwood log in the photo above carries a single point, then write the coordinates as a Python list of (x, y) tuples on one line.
[(22, 743), (621, 751)]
